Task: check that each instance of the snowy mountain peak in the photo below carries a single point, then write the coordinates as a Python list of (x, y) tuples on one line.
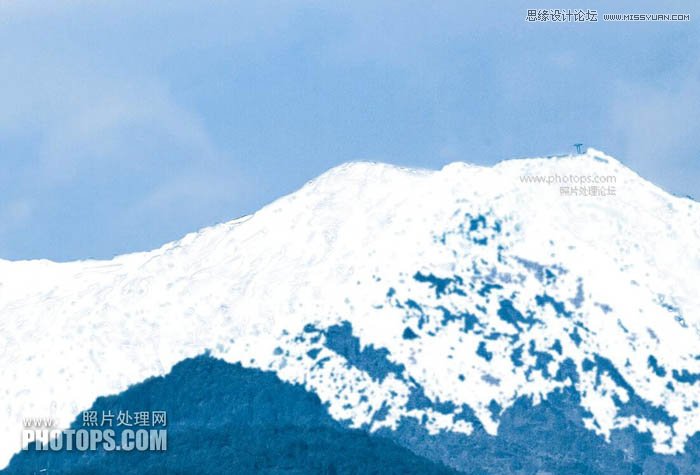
[(394, 294)]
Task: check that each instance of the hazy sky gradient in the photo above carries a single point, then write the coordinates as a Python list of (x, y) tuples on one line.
[(126, 125)]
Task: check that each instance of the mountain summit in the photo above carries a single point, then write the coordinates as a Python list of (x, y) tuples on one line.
[(439, 298)]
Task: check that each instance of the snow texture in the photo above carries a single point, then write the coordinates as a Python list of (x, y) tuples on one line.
[(393, 294)]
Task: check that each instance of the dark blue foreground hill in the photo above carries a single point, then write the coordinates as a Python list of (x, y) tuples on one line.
[(224, 418)]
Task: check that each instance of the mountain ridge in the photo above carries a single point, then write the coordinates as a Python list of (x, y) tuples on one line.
[(471, 286)]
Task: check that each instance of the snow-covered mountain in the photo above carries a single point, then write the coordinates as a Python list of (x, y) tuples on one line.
[(393, 294)]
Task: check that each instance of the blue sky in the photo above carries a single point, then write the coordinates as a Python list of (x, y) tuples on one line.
[(124, 125)]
